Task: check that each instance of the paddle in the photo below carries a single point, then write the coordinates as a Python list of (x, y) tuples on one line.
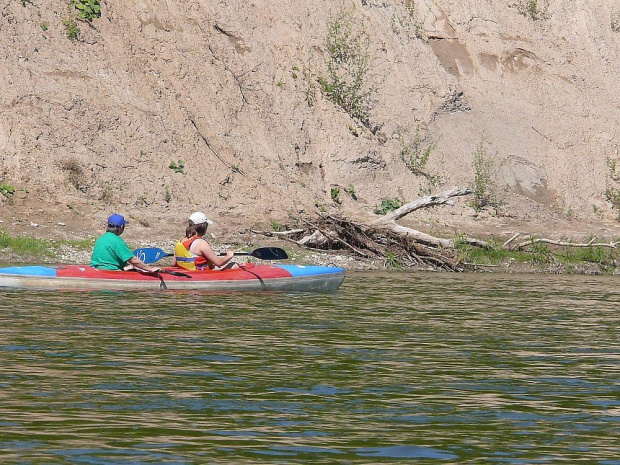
[(176, 273), (173, 273), (153, 254)]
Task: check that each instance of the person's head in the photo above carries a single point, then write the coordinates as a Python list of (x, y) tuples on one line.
[(116, 224), (197, 224)]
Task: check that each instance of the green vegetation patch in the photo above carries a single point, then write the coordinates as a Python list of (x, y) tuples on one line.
[(485, 180), (87, 9), (348, 82), (388, 205), (71, 29), (28, 248), (538, 253)]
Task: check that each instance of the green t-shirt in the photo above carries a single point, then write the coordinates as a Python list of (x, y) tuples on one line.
[(110, 252)]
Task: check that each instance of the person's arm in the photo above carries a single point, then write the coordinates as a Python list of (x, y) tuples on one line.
[(139, 264), (205, 249)]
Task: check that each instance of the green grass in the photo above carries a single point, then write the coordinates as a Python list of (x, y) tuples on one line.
[(28, 247), (537, 254), (71, 29)]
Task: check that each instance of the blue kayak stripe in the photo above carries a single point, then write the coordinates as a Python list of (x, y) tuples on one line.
[(33, 270), (301, 270)]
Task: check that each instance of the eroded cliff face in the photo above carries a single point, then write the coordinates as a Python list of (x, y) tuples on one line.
[(229, 92)]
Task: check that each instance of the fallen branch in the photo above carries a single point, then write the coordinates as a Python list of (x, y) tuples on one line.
[(389, 221), (510, 240), (533, 240)]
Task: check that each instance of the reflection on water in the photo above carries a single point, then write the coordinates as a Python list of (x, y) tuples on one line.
[(436, 367)]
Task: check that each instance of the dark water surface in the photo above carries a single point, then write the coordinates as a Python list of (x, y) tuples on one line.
[(426, 367)]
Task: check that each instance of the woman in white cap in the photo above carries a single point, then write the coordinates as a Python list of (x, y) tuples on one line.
[(195, 253)]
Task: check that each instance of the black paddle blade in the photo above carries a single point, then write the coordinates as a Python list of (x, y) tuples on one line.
[(176, 273), (269, 253)]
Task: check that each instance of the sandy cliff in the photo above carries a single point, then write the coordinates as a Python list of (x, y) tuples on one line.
[(231, 89)]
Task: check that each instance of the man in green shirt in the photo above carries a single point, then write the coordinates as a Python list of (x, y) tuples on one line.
[(111, 252)]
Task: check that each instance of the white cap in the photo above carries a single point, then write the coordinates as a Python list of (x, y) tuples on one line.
[(199, 218)]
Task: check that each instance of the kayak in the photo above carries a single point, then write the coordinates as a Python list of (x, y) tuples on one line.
[(248, 277)]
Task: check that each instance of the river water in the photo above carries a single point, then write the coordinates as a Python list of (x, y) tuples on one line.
[(442, 368)]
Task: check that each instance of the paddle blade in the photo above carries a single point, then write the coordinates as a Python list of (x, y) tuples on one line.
[(176, 273), (269, 253), (151, 254)]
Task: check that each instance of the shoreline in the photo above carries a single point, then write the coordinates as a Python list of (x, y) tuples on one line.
[(67, 253)]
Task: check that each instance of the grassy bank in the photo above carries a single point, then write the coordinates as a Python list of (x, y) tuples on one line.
[(28, 249), (544, 257)]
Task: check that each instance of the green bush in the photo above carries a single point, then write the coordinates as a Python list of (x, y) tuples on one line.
[(485, 182), (71, 29), (388, 205), (335, 192), (415, 156), (533, 9), (350, 190), (347, 83), (177, 167), (87, 9), (6, 189)]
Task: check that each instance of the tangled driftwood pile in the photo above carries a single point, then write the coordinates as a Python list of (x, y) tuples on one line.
[(384, 237)]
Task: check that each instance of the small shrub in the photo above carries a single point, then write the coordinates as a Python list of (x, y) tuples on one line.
[(415, 156), (533, 9), (335, 193), (275, 226), (44, 26), (410, 24), (388, 205), (177, 167), (541, 253), (87, 9), (167, 195), (71, 29), (320, 207), (350, 190), (485, 183), (6, 189), (310, 87), (347, 83)]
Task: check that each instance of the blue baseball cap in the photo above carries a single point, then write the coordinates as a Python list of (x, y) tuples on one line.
[(117, 220)]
